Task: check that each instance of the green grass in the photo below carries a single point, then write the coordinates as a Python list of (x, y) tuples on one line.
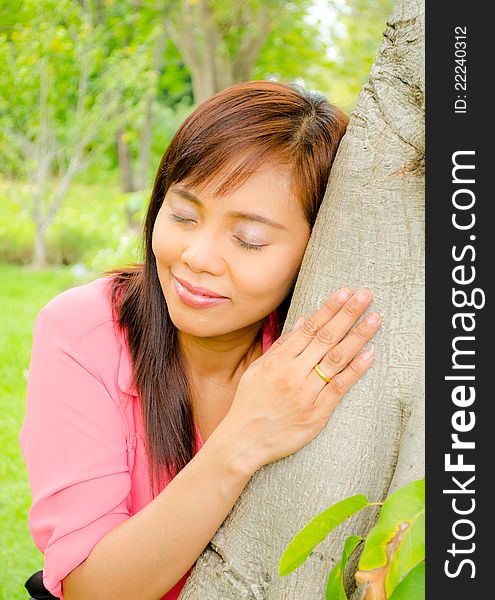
[(22, 294)]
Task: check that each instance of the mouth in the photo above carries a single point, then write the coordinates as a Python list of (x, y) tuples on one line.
[(197, 291), (192, 297)]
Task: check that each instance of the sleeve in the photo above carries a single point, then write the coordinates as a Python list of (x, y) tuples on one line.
[(74, 444)]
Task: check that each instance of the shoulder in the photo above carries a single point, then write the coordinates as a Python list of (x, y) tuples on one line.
[(80, 323), (84, 307)]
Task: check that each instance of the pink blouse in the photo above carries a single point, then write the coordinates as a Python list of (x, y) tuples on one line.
[(82, 437)]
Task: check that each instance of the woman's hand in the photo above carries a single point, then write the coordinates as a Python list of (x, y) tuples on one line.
[(281, 403)]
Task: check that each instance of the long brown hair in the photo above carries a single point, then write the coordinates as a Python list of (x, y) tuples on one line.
[(251, 122)]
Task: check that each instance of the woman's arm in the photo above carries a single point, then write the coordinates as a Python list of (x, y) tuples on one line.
[(146, 555), (272, 416)]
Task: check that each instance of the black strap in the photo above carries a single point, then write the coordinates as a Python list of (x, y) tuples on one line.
[(35, 587)]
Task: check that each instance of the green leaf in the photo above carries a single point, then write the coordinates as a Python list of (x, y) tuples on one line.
[(335, 584), (301, 546), (412, 587), (403, 518)]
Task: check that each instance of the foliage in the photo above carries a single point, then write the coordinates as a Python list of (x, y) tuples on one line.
[(166, 77), (91, 228), (396, 544), (16, 231), (392, 562), (71, 87), (316, 531), (55, 40), (335, 585), (297, 48), (356, 37), (72, 74), (412, 587)]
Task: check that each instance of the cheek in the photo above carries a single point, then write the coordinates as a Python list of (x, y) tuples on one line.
[(163, 240), (272, 277)]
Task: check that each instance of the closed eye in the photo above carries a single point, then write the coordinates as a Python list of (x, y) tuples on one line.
[(247, 245), (242, 243), (180, 219)]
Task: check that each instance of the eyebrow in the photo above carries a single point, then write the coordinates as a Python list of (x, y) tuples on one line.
[(233, 213)]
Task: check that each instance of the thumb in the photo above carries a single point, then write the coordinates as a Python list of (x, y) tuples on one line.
[(278, 342)]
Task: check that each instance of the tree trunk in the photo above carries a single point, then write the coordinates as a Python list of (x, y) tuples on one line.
[(145, 144), (145, 137), (125, 164), (212, 68), (40, 260), (369, 232)]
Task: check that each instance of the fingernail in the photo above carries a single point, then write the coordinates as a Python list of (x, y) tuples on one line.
[(363, 295), (343, 294), (373, 318), (367, 355), (298, 324)]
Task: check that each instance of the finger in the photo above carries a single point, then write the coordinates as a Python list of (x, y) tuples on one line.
[(340, 383), (285, 336), (333, 332), (293, 342), (338, 357)]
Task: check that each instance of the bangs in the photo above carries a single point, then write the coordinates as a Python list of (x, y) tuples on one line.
[(223, 174)]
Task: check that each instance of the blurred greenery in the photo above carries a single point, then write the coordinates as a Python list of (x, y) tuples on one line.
[(22, 294), (91, 94), (91, 228), (357, 35)]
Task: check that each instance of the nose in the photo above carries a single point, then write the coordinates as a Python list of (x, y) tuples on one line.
[(203, 252)]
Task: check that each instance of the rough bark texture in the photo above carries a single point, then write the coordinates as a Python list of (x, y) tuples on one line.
[(370, 231)]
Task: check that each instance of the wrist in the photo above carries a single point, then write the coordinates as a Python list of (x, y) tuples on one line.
[(236, 450)]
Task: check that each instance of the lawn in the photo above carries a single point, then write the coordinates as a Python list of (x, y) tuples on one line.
[(22, 294)]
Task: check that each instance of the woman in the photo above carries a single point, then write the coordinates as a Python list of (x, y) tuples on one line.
[(133, 374)]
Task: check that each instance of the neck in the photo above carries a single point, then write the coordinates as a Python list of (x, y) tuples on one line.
[(223, 359)]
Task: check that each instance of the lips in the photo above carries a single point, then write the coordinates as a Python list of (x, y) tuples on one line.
[(198, 291), (196, 300)]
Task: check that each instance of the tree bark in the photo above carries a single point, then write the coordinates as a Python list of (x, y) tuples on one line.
[(369, 232), (125, 164)]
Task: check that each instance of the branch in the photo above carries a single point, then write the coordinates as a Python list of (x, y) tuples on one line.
[(180, 28), (251, 45), (63, 187), (23, 142)]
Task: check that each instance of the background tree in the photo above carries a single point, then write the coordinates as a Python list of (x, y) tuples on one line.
[(68, 97), (222, 43), (133, 24), (369, 231)]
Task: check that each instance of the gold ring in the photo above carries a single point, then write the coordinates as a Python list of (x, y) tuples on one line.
[(321, 374)]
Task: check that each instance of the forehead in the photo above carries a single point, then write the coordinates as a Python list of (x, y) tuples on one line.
[(267, 189)]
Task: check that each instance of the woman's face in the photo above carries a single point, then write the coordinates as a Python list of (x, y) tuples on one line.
[(228, 246)]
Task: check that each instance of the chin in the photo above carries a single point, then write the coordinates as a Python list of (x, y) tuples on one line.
[(209, 330), (193, 321)]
